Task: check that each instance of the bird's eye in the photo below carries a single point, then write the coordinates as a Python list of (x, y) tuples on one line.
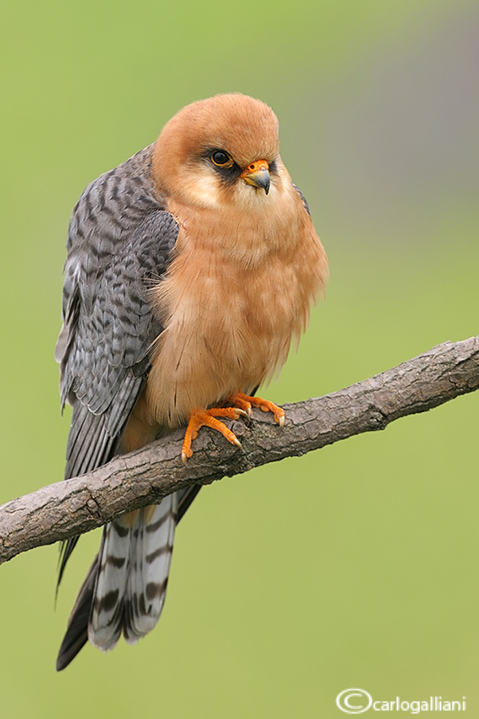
[(221, 159)]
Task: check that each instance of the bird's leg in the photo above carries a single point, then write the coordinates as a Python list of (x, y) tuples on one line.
[(245, 402), (207, 417)]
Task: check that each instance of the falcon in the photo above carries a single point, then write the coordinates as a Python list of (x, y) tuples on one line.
[(191, 268)]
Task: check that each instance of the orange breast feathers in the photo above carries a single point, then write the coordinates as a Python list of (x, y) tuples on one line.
[(238, 291)]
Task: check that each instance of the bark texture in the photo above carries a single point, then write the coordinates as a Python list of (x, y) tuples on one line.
[(77, 505)]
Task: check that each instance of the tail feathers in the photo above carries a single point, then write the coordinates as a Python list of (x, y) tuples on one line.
[(77, 631), (112, 598), (133, 574), (147, 582)]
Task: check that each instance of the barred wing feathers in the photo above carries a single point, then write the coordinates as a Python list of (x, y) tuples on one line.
[(120, 237)]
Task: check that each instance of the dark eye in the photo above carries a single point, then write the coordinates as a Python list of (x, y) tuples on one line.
[(221, 159)]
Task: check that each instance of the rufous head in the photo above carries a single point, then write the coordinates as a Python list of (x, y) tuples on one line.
[(221, 151)]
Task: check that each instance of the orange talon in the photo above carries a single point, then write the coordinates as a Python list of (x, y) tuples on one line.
[(265, 405), (207, 417), (243, 402)]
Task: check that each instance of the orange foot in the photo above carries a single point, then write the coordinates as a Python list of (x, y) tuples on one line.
[(207, 417), (246, 403)]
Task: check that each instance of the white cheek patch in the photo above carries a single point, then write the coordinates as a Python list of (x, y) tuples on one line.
[(248, 196), (255, 198), (201, 189)]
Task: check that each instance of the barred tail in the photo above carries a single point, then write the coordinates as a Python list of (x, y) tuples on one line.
[(125, 589), (133, 574)]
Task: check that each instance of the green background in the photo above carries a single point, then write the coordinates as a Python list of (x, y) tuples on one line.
[(355, 566)]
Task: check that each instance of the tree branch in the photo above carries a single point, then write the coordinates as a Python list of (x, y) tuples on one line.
[(71, 507)]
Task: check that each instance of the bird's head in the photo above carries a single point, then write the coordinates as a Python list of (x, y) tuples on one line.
[(221, 152)]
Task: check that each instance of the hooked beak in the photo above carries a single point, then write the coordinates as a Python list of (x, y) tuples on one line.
[(257, 174)]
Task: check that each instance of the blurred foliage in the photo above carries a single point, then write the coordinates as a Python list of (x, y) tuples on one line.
[(355, 566)]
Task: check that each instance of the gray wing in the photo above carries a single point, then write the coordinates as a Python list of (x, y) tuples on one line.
[(119, 239), (305, 202)]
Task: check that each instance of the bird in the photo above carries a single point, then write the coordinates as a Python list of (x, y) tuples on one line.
[(191, 269)]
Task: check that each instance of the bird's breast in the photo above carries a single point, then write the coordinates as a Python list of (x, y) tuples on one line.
[(228, 322)]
